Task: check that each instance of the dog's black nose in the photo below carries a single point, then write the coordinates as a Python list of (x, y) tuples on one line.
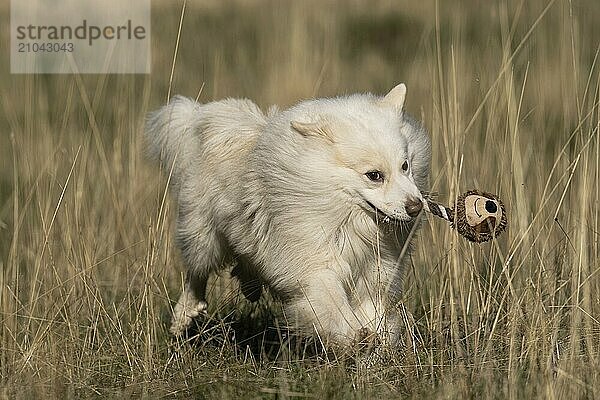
[(413, 206)]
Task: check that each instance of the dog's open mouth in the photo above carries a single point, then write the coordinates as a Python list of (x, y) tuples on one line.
[(384, 217)]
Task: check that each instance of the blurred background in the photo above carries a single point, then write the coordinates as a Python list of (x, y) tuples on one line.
[(509, 92)]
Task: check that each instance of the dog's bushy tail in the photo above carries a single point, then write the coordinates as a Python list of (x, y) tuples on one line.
[(172, 137)]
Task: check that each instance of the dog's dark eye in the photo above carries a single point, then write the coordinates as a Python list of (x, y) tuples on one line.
[(375, 176), (405, 166)]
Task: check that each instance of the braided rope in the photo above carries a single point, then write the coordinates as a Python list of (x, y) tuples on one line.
[(440, 211)]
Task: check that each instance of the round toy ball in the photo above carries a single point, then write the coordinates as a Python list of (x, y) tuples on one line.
[(479, 216)]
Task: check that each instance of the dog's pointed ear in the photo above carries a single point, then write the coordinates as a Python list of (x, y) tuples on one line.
[(317, 129), (396, 97)]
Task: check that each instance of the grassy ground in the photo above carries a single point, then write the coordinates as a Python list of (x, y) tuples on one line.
[(509, 91)]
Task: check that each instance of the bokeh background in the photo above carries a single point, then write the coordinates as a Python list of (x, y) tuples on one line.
[(509, 91)]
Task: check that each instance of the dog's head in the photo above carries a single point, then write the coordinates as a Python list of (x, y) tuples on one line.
[(377, 155)]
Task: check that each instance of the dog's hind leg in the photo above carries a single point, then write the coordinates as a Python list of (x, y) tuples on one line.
[(203, 252), (250, 285)]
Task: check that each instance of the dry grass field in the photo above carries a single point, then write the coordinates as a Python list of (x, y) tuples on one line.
[(510, 93)]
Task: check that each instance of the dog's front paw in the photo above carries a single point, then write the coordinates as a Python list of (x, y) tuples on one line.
[(184, 314), (366, 340)]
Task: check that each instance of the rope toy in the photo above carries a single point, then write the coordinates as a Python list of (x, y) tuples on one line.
[(479, 216)]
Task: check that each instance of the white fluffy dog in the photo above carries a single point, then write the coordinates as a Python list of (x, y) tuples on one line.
[(318, 202)]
